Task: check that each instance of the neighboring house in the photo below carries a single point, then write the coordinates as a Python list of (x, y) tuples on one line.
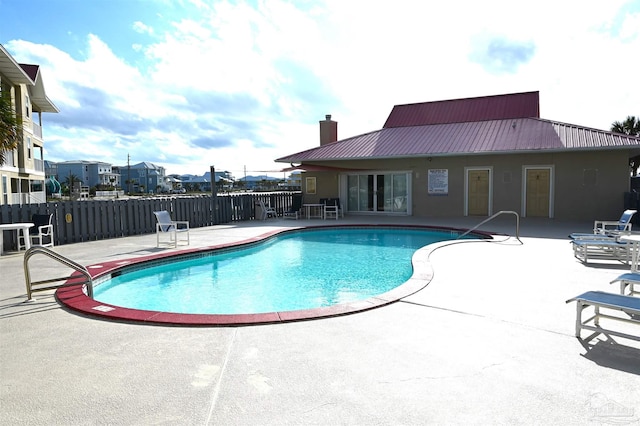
[(472, 157), (173, 182), (50, 168), (259, 183), (203, 183), (293, 182), (196, 183), (90, 173), (144, 177), (224, 179), (22, 177)]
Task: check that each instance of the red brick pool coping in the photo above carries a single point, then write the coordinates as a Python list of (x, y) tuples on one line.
[(74, 297)]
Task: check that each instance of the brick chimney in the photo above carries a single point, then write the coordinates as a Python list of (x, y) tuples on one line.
[(328, 130)]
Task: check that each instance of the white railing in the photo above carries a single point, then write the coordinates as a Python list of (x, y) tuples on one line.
[(37, 130), (28, 198), (111, 194)]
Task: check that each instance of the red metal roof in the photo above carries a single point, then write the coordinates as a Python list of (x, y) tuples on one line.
[(515, 105), (490, 136)]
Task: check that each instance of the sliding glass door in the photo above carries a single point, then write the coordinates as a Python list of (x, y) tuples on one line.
[(381, 192)]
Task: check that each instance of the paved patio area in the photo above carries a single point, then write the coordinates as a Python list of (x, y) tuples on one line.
[(489, 341)]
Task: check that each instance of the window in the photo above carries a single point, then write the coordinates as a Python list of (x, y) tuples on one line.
[(36, 186), (5, 190), (27, 106), (29, 147), (383, 192)]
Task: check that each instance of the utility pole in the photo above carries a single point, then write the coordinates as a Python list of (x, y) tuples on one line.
[(128, 174), (214, 193)]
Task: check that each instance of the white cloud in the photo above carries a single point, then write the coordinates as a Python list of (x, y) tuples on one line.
[(237, 84), (141, 28)]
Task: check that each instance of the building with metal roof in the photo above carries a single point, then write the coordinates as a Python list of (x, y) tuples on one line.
[(472, 156)]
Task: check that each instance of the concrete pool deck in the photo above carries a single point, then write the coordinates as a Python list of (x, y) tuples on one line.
[(489, 341)]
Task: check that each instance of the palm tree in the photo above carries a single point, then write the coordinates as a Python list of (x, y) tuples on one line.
[(630, 126), (9, 127), (70, 181)]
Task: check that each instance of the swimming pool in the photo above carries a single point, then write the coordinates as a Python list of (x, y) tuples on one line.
[(293, 275)]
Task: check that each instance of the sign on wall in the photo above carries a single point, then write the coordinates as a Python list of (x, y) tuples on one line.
[(310, 184), (438, 181)]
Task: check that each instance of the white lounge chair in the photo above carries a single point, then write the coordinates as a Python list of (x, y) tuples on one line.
[(174, 228), (601, 248), (609, 228), (611, 303), (628, 279)]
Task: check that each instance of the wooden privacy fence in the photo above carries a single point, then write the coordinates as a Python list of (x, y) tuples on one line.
[(90, 220)]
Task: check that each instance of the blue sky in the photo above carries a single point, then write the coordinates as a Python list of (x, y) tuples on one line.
[(236, 84)]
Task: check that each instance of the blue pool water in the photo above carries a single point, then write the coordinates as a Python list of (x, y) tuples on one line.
[(300, 270)]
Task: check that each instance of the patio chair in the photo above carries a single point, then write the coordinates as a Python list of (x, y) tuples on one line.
[(41, 234), (265, 211), (609, 228), (330, 208), (340, 209), (621, 225), (601, 248), (174, 228), (604, 305), (630, 280), (296, 206)]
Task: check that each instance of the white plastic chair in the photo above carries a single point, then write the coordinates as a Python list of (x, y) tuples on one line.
[(174, 228), (41, 234), (265, 211), (331, 208)]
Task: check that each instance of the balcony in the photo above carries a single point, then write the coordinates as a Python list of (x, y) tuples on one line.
[(37, 130), (9, 160)]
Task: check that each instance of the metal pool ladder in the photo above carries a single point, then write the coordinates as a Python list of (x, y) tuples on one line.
[(34, 286), (494, 216)]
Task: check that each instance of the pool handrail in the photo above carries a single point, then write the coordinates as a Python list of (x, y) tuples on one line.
[(60, 258), (494, 216)]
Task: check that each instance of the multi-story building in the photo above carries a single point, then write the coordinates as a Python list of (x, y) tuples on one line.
[(88, 173), (22, 175), (294, 181), (143, 177)]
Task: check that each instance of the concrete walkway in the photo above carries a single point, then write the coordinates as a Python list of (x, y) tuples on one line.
[(489, 341)]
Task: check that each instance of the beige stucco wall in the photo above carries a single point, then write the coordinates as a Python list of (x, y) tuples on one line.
[(573, 197)]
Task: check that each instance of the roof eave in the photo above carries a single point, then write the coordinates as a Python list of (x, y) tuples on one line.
[(45, 104), (12, 70), (458, 154)]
